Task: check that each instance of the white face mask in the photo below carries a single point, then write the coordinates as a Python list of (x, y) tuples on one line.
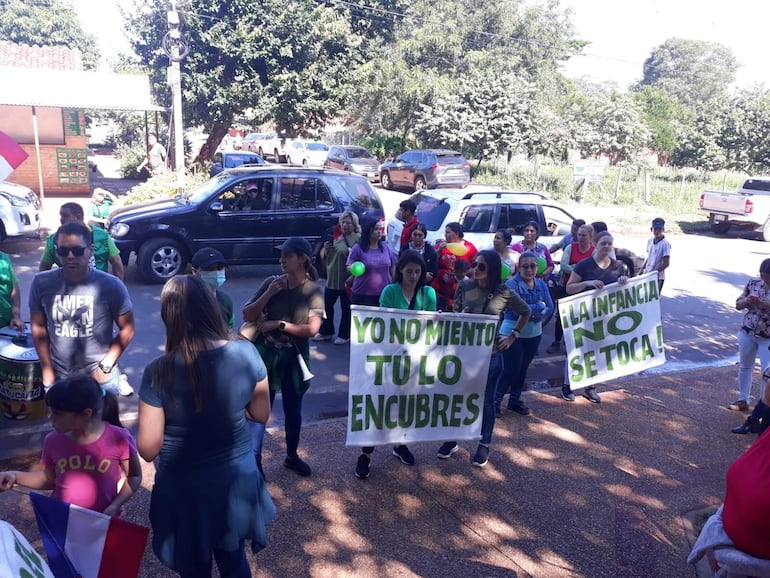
[(213, 279)]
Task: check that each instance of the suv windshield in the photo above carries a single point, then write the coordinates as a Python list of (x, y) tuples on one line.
[(360, 154), (316, 146), (430, 211), (359, 192), (203, 192)]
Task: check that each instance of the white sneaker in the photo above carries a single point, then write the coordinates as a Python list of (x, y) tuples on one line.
[(340, 341), (124, 388), (320, 337)]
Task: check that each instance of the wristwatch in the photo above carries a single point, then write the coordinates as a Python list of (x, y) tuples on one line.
[(516, 333), (106, 368), (282, 326)]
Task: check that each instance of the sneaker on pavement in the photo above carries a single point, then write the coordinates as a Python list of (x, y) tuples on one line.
[(481, 457), (555, 347), (124, 388), (520, 408), (739, 405), (446, 450), (566, 393), (297, 465), (403, 454), (340, 341), (362, 467), (591, 395), (321, 337)]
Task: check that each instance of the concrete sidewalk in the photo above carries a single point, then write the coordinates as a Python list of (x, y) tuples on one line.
[(576, 489)]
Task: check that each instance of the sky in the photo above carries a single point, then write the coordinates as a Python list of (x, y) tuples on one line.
[(622, 33)]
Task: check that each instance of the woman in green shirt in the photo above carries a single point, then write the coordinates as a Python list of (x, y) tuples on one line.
[(409, 291)]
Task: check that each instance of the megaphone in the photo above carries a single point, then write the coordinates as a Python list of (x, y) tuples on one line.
[(306, 374)]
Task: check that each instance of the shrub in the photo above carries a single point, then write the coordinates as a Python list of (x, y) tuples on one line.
[(162, 186), (130, 158)]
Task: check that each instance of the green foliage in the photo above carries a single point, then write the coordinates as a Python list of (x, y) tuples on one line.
[(663, 115), (162, 186), (383, 146), (46, 23), (692, 71), (130, 158)]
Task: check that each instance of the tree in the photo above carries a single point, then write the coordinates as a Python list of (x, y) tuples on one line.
[(47, 23), (692, 71), (663, 115), (698, 142), (745, 134), (286, 63)]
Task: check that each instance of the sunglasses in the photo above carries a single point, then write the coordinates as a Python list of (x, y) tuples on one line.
[(77, 250), (480, 266), (528, 266)]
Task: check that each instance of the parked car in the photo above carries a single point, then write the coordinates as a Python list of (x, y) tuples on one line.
[(306, 153), (19, 211), (230, 159), (244, 213), (269, 145), (482, 212), (749, 206), (250, 139), (355, 159), (426, 169)]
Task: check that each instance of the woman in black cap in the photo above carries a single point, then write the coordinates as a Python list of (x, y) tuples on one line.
[(285, 312)]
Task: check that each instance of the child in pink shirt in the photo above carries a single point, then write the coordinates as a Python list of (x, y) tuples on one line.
[(85, 458)]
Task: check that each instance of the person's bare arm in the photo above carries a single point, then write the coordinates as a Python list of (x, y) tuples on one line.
[(117, 267), (39, 327), (258, 409), (149, 439), (119, 344)]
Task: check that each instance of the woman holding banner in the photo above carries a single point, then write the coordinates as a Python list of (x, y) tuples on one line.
[(487, 294), (410, 291), (592, 273), (519, 355)]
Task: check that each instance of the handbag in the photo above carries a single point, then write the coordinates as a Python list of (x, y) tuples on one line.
[(249, 331)]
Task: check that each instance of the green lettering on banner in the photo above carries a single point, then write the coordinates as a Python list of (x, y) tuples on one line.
[(390, 403), (374, 412), (423, 378), (635, 317), (377, 330), (573, 317), (405, 330), (583, 366), (450, 369), (379, 361), (31, 558), (361, 328), (422, 417), (356, 402), (457, 408), (473, 407), (432, 331), (406, 409), (439, 410), (401, 377), (596, 335)]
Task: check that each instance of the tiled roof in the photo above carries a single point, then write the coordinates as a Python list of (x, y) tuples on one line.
[(39, 57)]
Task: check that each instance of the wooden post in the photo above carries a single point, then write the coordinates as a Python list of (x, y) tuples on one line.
[(36, 133)]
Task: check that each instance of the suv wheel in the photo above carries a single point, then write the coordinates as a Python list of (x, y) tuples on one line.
[(420, 184), (288, 158), (160, 259), (385, 181), (260, 153)]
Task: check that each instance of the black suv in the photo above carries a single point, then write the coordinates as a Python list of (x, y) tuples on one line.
[(244, 212), (426, 169)]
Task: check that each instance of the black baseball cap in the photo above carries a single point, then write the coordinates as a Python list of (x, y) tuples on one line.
[(207, 257), (296, 245)]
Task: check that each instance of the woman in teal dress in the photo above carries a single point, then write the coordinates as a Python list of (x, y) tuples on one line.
[(410, 291), (209, 496)]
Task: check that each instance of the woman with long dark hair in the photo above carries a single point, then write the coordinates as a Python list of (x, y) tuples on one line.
[(378, 260), (486, 293), (287, 311), (209, 496), (420, 244)]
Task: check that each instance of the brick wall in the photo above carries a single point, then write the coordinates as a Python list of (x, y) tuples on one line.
[(26, 173)]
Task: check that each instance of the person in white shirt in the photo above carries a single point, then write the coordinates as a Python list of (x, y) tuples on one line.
[(658, 252)]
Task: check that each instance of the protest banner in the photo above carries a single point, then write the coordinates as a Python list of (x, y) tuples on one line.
[(417, 376), (613, 331)]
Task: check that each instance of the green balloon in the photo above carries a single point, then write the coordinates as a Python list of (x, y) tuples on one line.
[(506, 271), (357, 269), (541, 265)]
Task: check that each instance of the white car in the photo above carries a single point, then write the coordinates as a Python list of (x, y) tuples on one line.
[(306, 153), (482, 211), (19, 210)]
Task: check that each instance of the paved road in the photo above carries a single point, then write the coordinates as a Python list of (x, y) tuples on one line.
[(699, 321)]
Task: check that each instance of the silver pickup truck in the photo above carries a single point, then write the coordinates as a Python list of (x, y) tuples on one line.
[(748, 206)]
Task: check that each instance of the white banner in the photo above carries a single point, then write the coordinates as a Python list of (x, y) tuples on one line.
[(417, 376), (612, 332)]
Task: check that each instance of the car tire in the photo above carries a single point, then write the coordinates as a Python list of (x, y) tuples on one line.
[(304, 163), (277, 157), (260, 153), (719, 228), (420, 184), (160, 259), (386, 182)]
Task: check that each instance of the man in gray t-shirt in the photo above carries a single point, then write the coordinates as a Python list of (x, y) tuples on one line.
[(73, 312)]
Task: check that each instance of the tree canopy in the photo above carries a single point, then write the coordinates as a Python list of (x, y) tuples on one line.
[(47, 23)]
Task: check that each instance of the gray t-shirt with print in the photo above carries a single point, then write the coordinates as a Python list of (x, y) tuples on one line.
[(80, 317)]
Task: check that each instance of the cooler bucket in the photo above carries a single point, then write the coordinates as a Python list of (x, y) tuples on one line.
[(21, 380)]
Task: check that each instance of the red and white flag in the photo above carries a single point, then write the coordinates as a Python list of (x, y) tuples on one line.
[(11, 155), (81, 543)]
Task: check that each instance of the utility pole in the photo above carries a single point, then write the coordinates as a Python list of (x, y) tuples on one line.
[(176, 48)]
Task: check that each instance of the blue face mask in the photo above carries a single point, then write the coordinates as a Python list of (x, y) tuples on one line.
[(213, 279)]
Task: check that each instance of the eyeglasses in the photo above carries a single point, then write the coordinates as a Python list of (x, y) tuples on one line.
[(480, 266), (528, 266), (76, 250)]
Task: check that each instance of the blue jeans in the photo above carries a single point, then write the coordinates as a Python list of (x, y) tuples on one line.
[(748, 348), (516, 360), (488, 414), (230, 564), (330, 298), (292, 412)]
